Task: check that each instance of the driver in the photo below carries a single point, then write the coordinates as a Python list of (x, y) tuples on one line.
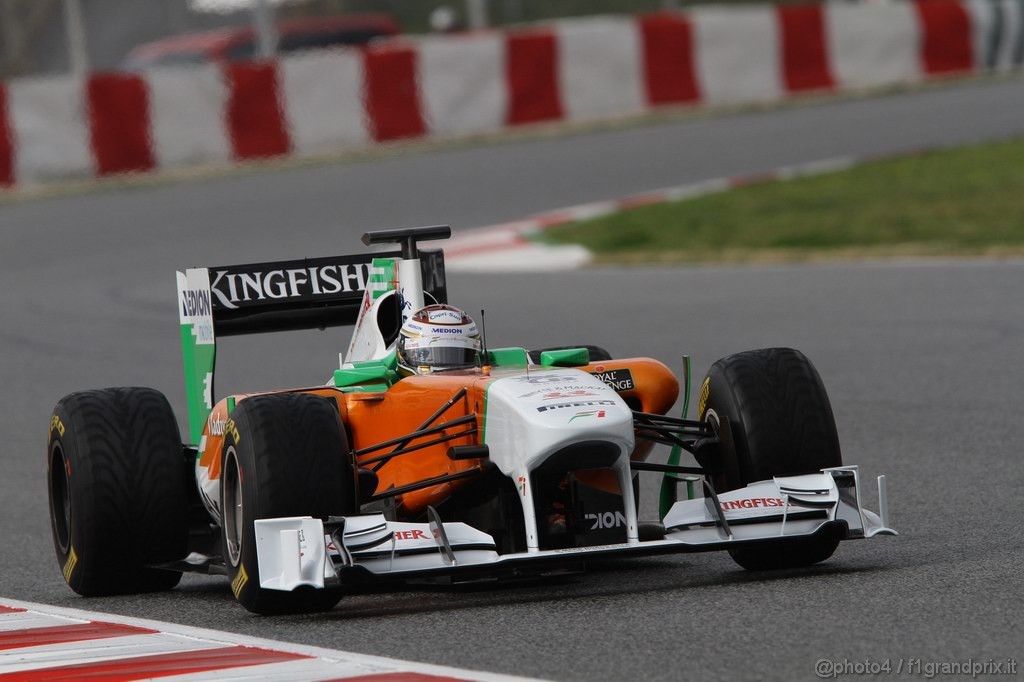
[(437, 338)]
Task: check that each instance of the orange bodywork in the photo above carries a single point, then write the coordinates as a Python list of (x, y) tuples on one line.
[(374, 418), (405, 407), (656, 390)]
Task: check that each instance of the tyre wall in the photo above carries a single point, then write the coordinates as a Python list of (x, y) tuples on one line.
[(578, 70)]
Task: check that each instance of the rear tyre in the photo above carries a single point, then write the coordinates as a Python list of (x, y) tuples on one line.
[(116, 476), (284, 455), (782, 425)]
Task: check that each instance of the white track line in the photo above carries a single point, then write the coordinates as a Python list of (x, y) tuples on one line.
[(98, 650), (310, 663)]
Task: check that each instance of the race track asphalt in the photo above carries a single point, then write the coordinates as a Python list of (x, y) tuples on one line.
[(921, 359)]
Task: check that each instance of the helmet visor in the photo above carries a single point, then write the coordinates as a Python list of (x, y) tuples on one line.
[(440, 357)]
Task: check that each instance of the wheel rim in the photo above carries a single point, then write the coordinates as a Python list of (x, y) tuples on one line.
[(60, 498), (721, 479), (233, 511)]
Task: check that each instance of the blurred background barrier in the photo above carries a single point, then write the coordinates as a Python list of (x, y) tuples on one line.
[(409, 87), (34, 33)]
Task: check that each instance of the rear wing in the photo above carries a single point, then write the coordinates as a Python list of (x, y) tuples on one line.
[(311, 293)]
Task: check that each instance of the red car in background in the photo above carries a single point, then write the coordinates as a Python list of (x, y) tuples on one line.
[(240, 43)]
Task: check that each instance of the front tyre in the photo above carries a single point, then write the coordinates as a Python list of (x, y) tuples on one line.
[(116, 478), (782, 425), (284, 455)]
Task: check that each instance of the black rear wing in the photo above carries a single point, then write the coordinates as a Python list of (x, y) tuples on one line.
[(311, 293)]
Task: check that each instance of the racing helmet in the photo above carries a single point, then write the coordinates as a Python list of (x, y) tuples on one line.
[(438, 337)]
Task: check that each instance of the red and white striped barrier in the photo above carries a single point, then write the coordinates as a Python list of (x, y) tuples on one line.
[(447, 86), (40, 642)]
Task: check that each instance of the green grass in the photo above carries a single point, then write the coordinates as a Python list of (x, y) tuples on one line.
[(966, 201)]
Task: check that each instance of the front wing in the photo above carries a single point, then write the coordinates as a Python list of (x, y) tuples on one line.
[(303, 551)]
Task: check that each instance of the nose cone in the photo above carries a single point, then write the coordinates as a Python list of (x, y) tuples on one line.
[(529, 416)]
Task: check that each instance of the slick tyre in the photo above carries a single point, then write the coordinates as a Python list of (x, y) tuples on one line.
[(782, 424), (283, 455), (116, 475)]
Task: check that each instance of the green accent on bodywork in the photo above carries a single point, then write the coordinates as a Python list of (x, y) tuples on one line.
[(670, 481), (390, 361), (231, 404), (690, 480), (356, 378), (508, 357), (382, 276), (375, 372), (686, 385), (483, 425), (572, 357), (198, 360)]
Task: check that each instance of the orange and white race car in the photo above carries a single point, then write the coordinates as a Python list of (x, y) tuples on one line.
[(486, 463)]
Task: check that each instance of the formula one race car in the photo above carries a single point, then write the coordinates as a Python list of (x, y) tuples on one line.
[(516, 463)]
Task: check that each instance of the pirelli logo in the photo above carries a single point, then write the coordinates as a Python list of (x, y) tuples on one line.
[(232, 430), (57, 425), (238, 584), (578, 403), (705, 391), (69, 565)]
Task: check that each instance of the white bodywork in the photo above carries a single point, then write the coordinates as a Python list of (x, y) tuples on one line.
[(785, 507), (367, 341), (536, 413), (295, 551)]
